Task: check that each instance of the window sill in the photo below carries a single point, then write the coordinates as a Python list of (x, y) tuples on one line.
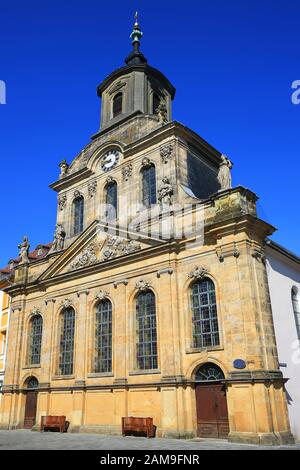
[(36, 366), (100, 374), (63, 377), (145, 372), (200, 350)]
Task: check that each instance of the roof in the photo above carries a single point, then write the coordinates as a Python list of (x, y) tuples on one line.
[(40, 252), (283, 251)]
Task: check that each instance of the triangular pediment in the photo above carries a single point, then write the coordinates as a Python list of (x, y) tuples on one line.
[(97, 244)]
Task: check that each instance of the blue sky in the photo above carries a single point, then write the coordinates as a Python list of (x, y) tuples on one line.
[(232, 63)]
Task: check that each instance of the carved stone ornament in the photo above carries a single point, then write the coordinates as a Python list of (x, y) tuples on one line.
[(127, 171), (224, 175), (166, 153), (102, 295), (62, 200), (35, 311), (77, 193), (165, 192), (109, 180), (162, 112), (24, 251), (59, 239), (66, 303), (86, 258), (200, 272), (117, 246), (63, 168), (92, 188), (146, 162), (142, 286)]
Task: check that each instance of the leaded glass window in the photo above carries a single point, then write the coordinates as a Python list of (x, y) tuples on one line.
[(111, 201), (117, 104), (204, 310), (296, 308), (67, 342), (103, 339), (78, 215), (146, 347), (35, 340), (209, 373), (32, 382), (149, 185)]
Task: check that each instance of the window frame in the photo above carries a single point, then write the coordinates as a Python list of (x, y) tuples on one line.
[(78, 227), (210, 306), (152, 186), (153, 357), (296, 308), (119, 94), (71, 351), (30, 347), (97, 349)]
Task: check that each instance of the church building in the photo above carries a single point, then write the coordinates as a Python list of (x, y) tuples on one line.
[(153, 299)]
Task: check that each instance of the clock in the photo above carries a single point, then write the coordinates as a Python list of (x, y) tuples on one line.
[(110, 160)]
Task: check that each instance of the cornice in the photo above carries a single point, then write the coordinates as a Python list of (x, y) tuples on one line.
[(71, 179)]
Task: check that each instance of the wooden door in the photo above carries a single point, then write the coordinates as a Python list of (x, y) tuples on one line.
[(212, 413), (30, 410)]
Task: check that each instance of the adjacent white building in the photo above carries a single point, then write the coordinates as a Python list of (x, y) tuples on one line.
[(283, 268)]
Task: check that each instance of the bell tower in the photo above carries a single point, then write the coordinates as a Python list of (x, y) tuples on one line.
[(135, 88)]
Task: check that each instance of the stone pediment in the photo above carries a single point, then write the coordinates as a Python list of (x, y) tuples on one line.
[(94, 246)]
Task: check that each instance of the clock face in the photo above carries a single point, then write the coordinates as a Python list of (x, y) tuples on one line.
[(110, 160)]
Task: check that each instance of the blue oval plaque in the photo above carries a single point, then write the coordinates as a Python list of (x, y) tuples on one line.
[(239, 364)]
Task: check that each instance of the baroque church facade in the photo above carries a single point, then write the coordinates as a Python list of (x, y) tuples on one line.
[(153, 299)]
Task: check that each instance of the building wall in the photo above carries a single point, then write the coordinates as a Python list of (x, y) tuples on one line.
[(283, 275), (256, 402)]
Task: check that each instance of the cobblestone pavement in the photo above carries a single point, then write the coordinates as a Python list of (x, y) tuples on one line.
[(28, 440)]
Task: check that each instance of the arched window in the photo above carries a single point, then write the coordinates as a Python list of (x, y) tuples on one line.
[(117, 104), (296, 308), (35, 340), (78, 215), (204, 309), (103, 337), (155, 103), (146, 347), (32, 383), (149, 185), (66, 346), (111, 201), (209, 373)]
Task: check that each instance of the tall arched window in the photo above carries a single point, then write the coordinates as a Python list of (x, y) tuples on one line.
[(205, 319), (103, 337), (117, 104), (146, 347), (149, 185), (111, 201), (296, 308), (35, 340), (66, 346), (78, 215)]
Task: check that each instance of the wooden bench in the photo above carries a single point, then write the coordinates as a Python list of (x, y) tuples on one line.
[(54, 422), (144, 425)]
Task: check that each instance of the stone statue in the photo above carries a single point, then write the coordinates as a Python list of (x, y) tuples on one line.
[(59, 239), (162, 113), (24, 251), (63, 168), (224, 176), (165, 192)]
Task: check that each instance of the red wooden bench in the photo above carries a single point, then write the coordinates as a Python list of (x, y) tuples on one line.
[(144, 425), (54, 422)]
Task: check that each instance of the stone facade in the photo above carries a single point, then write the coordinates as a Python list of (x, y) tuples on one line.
[(201, 233)]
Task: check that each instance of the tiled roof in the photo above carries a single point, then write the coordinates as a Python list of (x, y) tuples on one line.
[(39, 252)]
